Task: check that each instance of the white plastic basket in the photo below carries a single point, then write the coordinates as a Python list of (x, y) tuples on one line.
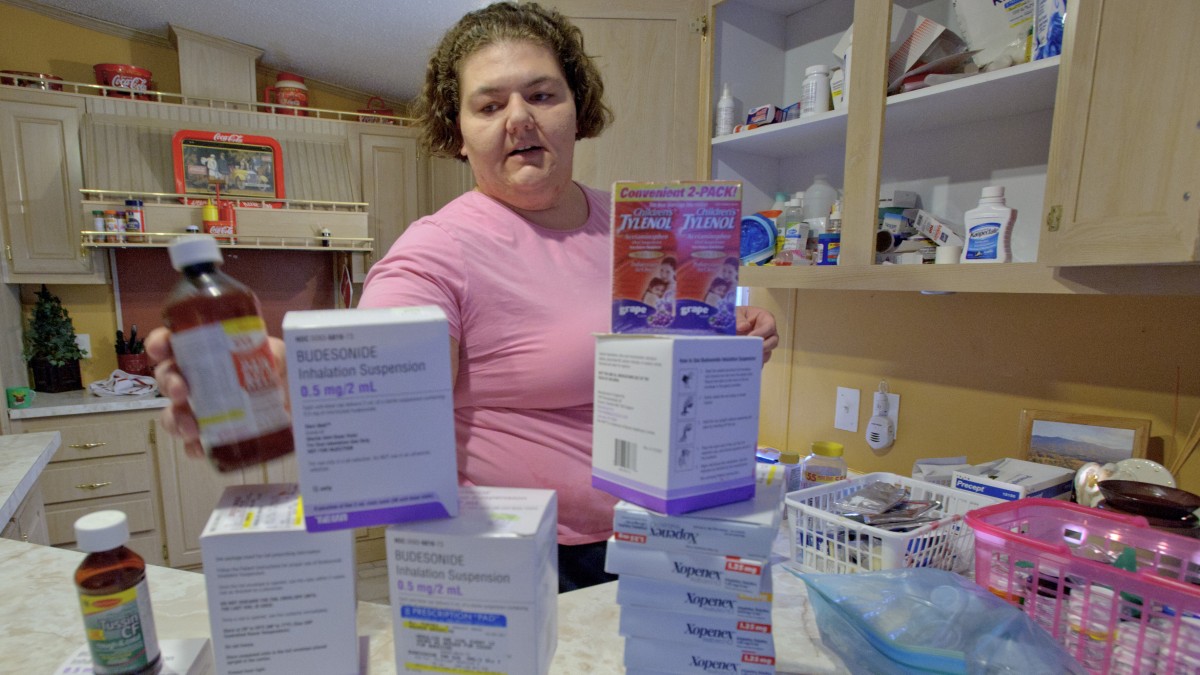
[(824, 542)]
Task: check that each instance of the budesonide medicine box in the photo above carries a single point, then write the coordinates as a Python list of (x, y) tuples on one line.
[(676, 419), (281, 600), (478, 593), (373, 415)]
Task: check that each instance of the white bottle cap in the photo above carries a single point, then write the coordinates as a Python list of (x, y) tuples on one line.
[(993, 191), (820, 68), (101, 531), (193, 250)]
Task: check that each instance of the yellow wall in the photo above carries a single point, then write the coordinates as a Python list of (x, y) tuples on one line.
[(37, 43), (965, 366)]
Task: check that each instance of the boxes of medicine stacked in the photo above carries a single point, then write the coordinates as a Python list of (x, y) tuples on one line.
[(478, 592), (676, 419), (280, 599), (372, 415), (696, 588)]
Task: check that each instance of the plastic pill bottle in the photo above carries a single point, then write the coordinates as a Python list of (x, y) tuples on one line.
[(115, 598), (824, 466), (219, 341)]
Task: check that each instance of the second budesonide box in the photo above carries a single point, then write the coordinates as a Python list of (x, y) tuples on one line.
[(478, 593), (373, 415), (676, 419), (281, 599)]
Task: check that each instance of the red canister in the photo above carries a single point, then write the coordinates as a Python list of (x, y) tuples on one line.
[(289, 92)]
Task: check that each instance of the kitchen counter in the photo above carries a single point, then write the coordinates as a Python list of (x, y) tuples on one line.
[(41, 626), (22, 458), (82, 402)]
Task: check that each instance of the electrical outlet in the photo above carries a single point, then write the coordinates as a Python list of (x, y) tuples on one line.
[(84, 341), (845, 413)]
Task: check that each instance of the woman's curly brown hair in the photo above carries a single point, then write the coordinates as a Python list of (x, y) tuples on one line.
[(437, 108)]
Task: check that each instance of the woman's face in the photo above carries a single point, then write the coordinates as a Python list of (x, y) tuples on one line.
[(666, 271), (517, 120)]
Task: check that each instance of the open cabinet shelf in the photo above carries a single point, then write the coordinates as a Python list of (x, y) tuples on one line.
[(1012, 91)]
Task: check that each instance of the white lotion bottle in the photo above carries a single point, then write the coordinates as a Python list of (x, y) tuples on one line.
[(989, 229), (725, 112)]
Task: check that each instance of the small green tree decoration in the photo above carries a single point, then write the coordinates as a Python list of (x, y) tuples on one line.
[(50, 334)]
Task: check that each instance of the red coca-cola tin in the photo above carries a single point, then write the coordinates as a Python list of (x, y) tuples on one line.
[(375, 107), (124, 76)]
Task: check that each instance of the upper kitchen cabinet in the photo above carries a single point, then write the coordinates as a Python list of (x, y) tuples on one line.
[(1122, 181), (394, 173), (1124, 187), (41, 164)]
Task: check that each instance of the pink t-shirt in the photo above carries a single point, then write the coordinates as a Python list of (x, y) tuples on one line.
[(523, 302)]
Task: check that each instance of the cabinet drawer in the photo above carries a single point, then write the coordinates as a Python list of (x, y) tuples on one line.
[(29, 522), (60, 519), (72, 481), (91, 436)]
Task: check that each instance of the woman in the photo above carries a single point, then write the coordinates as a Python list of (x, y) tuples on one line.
[(521, 266)]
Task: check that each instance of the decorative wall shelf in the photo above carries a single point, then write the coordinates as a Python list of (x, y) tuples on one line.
[(298, 225), (169, 97)]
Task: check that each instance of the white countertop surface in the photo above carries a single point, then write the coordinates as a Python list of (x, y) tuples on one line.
[(81, 402), (22, 458), (41, 625)]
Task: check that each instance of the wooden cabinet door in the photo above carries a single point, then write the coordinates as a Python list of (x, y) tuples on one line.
[(392, 179), (42, 165), (651, 54), (190, 488), (1123, 183)]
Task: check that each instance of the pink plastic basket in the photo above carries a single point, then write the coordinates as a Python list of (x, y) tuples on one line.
[(1063, 564)]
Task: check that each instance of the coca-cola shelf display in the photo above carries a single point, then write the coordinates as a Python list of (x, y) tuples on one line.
[(136, 80), (229, 163)]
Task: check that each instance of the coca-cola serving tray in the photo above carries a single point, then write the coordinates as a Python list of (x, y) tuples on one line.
[(209, 163)]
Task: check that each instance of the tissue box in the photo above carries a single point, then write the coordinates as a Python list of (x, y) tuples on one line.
[(280, 599), (676, 419), (912, 36), (1016, 479), (652, 656), (373, 415), (478, 593)]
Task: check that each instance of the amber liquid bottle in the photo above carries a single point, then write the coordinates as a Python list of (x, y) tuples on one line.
[(115, 598), (219, 342)]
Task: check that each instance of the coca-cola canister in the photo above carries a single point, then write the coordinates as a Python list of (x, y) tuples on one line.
[(124, 76), (289, 92)]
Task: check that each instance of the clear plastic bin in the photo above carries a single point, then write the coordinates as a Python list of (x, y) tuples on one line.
[(824, 542), (1066, 566)]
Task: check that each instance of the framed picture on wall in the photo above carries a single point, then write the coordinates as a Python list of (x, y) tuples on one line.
[(239, 165), (1073, 439)]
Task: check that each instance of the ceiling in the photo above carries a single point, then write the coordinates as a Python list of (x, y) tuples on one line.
[(375, 46)]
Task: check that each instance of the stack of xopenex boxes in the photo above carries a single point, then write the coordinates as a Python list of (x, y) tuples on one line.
[(695, 589)]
